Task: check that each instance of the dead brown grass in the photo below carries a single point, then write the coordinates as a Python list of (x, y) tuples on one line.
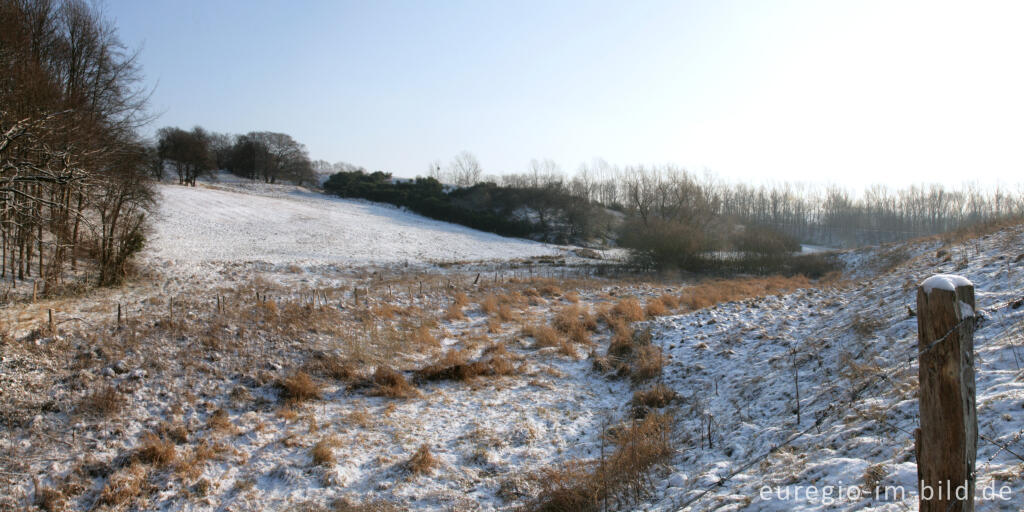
[(506, 314), (332, 366), (388, 382), (299, 387), (648, 364), (421, 462), (489, 305), (155, 450), (421, 336), (655, 397), (713, 292), (454, 312), (543, 335), (670, 301), (455, 365), (621, 478), (323, 451), (629, 309), (104, 401), (656, 307), (125, 486)]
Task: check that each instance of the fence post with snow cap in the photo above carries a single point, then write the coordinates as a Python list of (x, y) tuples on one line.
[(946, 443)]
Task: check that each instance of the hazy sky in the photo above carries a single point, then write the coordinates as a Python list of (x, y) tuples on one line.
[(849, 92)]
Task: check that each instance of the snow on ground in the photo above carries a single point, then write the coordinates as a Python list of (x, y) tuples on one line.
[(278, 224), (853, 351)]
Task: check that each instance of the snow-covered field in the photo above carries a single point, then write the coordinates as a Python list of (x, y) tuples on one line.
[(183, 406), (280, 224)]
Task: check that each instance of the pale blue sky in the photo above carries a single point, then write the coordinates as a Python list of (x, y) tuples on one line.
[(849, 92)]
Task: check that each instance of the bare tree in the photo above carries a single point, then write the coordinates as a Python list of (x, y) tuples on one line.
[(464, 170)]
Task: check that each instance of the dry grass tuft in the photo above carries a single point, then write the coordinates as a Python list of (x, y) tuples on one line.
[(333, 366), (670, 301), (124, 486), (584, 486), (506, 314), (299, 387), (572, 297), (543, 335), (575, 322), (156, 451), (455, 365), (549, 289), (323, 451), (422, 336), (489, 305), (629, 309), (656, 307), (655, 397), (390, 383), (648, 364), (103, 402), (422, 461), (49, 499), (454, 312), (219, 421)]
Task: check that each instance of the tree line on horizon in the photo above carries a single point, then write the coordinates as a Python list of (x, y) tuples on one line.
[(678, 218)]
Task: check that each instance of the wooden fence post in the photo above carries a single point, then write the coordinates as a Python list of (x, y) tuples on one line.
[(947, 441)]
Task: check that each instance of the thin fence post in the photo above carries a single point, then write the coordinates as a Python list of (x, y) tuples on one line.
[(947, 441)]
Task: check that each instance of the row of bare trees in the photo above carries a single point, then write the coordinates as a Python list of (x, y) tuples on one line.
[(73, 189), (830, 215)]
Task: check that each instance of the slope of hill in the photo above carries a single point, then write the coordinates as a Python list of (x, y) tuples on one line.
[(281, 224), (852, 349)]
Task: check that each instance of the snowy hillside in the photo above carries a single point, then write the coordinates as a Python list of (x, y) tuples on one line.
[(852, 348), (288, 225)]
